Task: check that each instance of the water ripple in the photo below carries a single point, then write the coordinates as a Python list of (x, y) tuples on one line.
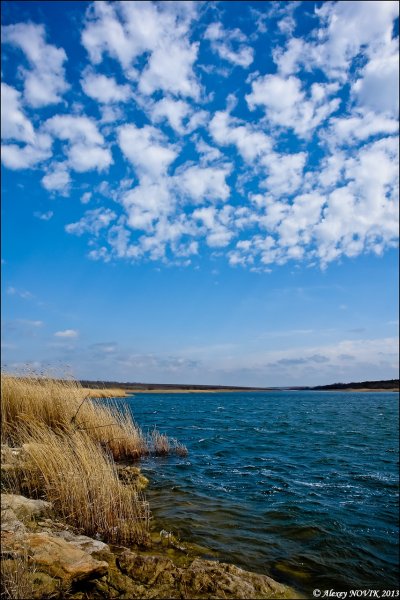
[(299, 485)]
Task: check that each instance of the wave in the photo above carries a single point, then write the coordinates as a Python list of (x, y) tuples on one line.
[(274, 477)]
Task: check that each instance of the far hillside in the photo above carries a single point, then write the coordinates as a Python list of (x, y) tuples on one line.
[(385, 384)]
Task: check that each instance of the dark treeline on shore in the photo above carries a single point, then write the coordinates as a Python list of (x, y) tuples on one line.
[(165, 386), (371, 385), (388, 384)]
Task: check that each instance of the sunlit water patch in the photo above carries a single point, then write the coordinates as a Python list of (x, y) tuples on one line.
[(302, 486)]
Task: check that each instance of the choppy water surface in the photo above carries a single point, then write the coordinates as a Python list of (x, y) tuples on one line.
[(302, 486)]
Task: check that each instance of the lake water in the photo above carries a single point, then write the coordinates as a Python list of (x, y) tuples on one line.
[(302, 486)]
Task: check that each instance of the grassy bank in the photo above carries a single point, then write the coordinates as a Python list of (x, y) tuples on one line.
[(70, 448)]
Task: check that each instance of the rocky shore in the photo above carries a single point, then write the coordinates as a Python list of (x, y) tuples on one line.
[(43, 557)]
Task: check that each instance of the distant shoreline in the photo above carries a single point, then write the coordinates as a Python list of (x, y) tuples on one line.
[(192, 391), (360, 390), (116, 388), (105, 392)]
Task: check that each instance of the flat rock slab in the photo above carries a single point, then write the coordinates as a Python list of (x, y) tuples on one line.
[(55, 556), (158, 577), (83, 542), (10, 522), (25, 509)]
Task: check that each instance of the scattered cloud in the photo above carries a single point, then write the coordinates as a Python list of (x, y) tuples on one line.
[(126, 31), (26, 157), (377, 88), (67, 333), (178, 114), (224, 363), (85, 198), (147, 148), (104, 348), (92, 222), (85, 149), (290, 362), (230, 45), (345, 361), (44, 82), (287, 105), (46, 216), (199, 182), (358, 127), (57, 179), (345, 29), (250, 142), (14, 123), (266, 168), (12, 291), (16, 127), (30, 323), (104, 89)]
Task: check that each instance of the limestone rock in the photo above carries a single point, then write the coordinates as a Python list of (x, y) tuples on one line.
[(25, 509), (123, 586), (161, 578), (83, 542), (56, 557), (148, 569), (228, 580), (10, 521)]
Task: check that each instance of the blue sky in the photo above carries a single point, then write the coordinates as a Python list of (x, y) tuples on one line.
[(201, 192)]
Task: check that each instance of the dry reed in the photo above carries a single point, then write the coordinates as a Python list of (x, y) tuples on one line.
[(81, 480), (17, 578), (69, 444), (179, 448), (160, 443), (62, 405)]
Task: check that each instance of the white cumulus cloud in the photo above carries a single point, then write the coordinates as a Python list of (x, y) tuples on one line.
[(128, 30), (146, 148), (15, 125), (85, 149), (45, 82), (57, 178), (67, 333), (92, 222), (104, 89), (287, 105), (230, 45)]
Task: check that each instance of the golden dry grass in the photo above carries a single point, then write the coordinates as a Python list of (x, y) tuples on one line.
[(81, 480), (179, 448), (63, 405), (16, 582), (160, 443), (70, 444)]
